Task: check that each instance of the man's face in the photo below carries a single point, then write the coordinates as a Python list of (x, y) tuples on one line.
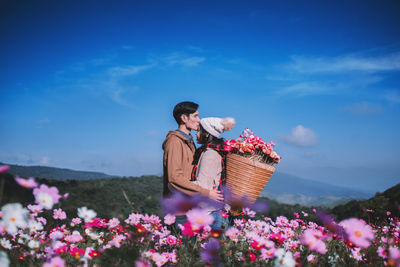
[(192, 122)]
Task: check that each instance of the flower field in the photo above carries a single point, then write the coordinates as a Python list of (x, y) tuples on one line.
[(41, 234)]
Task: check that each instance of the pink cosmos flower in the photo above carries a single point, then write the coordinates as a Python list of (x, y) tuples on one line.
[(35, 208), (51, 191), (394, 254), (382, 252), (4, 168), (142, 263), (59, 214), (296, 215), (27, 183), (76, 220), (41, 220), (268, 253), (75, 237), (312, 238), (358, 232), (114, 222), (249, 212), (199, 218), (55, 262), (388, 213), (356, 252), (169, 219), (311, 258), (117, 241)]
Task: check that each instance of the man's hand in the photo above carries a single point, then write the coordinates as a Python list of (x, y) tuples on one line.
[(216, 195)]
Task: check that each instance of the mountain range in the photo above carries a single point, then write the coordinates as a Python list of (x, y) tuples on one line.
[(281, 187), (54, 173), (290, 189)]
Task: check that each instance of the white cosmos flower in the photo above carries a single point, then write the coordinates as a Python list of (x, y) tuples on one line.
[(14, 217), (86, 214), (45, 200), (35, 226), (4, 261), (33, 244), (5, 243), (284, 258)]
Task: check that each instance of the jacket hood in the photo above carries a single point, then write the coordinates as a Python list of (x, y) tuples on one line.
[(171, 134)]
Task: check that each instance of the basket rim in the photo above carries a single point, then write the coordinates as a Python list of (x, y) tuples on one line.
[(251, 161)]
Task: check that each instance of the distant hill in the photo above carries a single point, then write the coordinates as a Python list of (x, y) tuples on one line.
[(378, 205), (283, 188), (54, 173), (291, 189)]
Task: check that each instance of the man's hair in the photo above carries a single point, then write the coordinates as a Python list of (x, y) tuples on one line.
[(184, 108)]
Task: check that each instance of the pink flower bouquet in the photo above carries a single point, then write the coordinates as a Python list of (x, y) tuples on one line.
[(252, 146)]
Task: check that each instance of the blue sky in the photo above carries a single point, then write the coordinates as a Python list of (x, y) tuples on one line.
[(90, 85)]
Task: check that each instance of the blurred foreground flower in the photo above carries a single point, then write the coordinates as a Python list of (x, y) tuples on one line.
[(27, 183), (210, 253), (14, 217), (199, 218), (55, 262), (178, 202), (46, 196), (4, 168), (358, 232)]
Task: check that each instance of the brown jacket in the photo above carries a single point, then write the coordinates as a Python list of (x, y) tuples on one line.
[(177, 165)]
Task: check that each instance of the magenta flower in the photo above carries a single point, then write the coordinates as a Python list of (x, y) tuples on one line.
[(59, 214), (55, 262), (4, 168), (27, 183), (358, 232), (171, 240), (51, 191)]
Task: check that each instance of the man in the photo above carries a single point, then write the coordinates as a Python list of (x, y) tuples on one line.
[(179, 150)]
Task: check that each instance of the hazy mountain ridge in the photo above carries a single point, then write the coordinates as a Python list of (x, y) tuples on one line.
[(290, 189), (282, 187), (54, 173), (106, 196)]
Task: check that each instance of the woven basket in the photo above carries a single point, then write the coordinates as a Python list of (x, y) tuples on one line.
[(246, 177)]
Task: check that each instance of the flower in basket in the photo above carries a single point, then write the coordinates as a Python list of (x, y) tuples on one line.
[(250, 145)]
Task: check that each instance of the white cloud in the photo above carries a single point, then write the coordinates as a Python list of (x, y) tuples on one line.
[(301, 136), (345, 63), (45, 160), (393, 96), (121, 95), (363, 108), (41, 123), (128, 70), (183, 60), (306, 89)]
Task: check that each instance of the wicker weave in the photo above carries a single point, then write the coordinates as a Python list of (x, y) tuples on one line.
[(246, 177)]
